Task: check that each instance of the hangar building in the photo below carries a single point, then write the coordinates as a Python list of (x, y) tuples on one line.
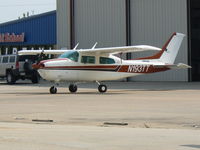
[(133, 22), (32, 32)]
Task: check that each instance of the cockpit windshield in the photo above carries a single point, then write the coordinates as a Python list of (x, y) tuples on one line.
[(72, 55)]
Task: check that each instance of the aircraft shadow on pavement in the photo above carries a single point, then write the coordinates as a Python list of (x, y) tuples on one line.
[(123, 86), (148, 86), (192, 146), (62, 93)]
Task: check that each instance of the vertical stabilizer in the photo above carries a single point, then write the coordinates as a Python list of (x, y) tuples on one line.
[(170, 50)]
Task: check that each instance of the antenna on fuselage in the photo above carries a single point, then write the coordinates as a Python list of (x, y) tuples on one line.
[(94, 45), (76, 46)]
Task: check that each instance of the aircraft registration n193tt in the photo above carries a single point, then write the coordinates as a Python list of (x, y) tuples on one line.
[(100, 64)]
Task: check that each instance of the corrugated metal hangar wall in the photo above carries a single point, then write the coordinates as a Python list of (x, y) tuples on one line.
[(152, 23), (124, 22), (63, 23), (101, 21)]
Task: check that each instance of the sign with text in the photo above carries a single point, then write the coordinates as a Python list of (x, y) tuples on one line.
[(7, 37)]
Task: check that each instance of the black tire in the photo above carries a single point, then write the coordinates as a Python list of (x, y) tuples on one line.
[(53, 90), (73, 88), (35, 79), (27, 67), (10, 78), (102, 88)]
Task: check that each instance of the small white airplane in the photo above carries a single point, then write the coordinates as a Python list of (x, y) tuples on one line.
[(100, 64)]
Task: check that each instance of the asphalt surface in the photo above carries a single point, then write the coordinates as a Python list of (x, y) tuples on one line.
[(133, 115)]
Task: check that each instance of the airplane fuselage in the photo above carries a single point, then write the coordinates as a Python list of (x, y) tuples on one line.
[(66, 70)]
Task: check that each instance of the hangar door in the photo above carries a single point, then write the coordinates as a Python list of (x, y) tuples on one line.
[(195, 38), (101, 21), (152, 23)]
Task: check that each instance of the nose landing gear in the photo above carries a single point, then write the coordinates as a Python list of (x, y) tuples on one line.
[(53, 90)]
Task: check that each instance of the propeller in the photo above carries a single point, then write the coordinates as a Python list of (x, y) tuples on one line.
[(41, 56)]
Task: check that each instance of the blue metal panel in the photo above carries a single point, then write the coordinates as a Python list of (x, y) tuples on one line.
[(38, 29)]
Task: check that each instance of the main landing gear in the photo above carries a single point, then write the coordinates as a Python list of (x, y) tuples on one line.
[(102, 88), (53, 90), (73, 88)]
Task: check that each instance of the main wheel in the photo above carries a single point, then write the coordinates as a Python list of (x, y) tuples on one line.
[(53, 90), (73, 88), (10, 78), (102, 88)]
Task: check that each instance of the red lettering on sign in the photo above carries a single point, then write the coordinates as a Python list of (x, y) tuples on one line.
[(7, 37)]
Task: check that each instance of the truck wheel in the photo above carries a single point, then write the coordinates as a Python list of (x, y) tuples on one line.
[(10, 78), (35, 79)]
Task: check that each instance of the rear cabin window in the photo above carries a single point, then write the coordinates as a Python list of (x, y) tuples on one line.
[(105, 60), (88, 59), (5, 59), (72, 55), (12, 59)]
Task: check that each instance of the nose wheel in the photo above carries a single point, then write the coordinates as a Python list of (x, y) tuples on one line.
[(53, 90), (73, 88)]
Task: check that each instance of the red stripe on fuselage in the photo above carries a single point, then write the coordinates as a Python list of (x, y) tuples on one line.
[(84, 67), (116, 68)]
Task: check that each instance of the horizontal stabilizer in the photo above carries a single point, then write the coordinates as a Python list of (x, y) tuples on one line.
[(174, 66), (180, 66)]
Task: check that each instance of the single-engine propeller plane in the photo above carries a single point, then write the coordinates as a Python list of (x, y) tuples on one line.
[(100, 64)]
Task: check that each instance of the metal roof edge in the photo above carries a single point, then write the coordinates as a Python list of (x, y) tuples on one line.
[(27, 18)]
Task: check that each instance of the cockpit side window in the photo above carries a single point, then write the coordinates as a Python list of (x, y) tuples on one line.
[(72, 55), (88, 59), (105, 60)]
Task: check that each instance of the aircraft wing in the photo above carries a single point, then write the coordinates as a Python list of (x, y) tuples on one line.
[(115, 50), (100, 51), (35, 52), (174, 66)]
